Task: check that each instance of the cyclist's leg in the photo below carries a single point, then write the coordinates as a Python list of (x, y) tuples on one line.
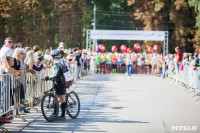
[(63, 104)]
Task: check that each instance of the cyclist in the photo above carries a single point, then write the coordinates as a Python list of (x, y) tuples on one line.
[(58, 78)]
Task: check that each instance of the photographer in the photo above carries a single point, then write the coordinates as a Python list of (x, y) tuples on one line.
[(38, 66)]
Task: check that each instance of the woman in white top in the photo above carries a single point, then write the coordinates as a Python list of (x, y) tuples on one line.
[(129, 65)]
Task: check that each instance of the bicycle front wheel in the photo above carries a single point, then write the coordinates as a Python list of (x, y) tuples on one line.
[(49, 107), (73, 104)]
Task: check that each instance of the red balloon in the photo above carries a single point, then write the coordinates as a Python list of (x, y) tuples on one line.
[(114, 49), (124, 51), (155, 47), (199, 51), (102, 47), (150, 50), (123, 48), (137, 47), (129, 50)]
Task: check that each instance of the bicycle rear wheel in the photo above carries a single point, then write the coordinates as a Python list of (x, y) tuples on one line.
[(73, 104), (49, 107)]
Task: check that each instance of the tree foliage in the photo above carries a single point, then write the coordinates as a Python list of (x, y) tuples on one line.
[(48, 22)]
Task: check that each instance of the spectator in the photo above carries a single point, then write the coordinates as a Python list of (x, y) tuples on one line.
[(129, 65), (61, 46), (18, 44), (196, 59), (79, 61), (179, 58), (155, 64), (6, 49), (28, 49), (166, 64), (36, 48), (18, 54)]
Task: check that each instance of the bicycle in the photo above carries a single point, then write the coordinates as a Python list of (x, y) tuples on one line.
[(50, 105)]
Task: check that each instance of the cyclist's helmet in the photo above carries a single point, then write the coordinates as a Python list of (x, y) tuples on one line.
[(55, 52)]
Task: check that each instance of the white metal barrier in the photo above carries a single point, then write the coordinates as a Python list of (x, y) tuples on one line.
[(33, 85), (189, 76), (6, 93)]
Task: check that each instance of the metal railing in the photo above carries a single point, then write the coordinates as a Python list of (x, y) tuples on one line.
[(189, 77), (34, 88)]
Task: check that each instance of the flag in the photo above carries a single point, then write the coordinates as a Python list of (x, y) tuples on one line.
[(97, 46)]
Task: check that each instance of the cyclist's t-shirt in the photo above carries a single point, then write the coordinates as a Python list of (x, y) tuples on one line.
[(114, 60), (109, 59), (97, 59)]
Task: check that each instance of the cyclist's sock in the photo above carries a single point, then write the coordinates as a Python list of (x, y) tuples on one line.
[(63, 108)]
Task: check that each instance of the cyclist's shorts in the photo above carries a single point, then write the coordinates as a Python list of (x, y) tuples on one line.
[(97, 63), (60, 89), (109, 64)]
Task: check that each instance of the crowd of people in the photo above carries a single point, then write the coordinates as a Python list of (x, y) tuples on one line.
[(16, 59)]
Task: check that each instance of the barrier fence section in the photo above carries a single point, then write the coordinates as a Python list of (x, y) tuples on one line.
[(189, 76), (22, 91), (6, 92)]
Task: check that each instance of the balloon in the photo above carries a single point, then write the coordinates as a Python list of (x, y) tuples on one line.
[(124, 51), (102, 47), (129, 50), (114, 49), (199, 50), (155, 47), (123, 48), (137, 47), (150, 50)]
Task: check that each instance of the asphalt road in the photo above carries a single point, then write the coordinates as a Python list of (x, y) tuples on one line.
[(116, 104)]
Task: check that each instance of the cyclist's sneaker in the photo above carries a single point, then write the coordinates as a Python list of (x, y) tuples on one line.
[(61, 118)]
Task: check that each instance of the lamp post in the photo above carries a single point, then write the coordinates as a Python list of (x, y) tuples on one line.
[(94, 24)]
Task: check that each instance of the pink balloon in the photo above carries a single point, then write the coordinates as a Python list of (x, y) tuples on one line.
[(102, 48), (123, 48), (114, 49), (155, 47), (137, 47), (150, 50), (129, 50)]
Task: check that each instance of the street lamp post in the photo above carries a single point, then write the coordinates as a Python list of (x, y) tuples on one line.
[(94, 24)]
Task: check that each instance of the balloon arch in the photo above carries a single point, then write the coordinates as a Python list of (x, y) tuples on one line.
[(128, 35)]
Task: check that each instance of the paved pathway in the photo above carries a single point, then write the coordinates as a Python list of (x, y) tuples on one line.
[(114, 104)]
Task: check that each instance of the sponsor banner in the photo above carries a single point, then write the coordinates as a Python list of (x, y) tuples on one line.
[(127, 35)]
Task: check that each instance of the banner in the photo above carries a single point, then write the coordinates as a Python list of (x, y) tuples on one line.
[(97, 46), (127, 35)]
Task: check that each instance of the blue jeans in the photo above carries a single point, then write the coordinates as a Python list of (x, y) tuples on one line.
[(129, 69), (165, 72), (178, 65)]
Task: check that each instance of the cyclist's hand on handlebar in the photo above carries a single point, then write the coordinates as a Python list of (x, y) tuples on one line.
[(46, 78)]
